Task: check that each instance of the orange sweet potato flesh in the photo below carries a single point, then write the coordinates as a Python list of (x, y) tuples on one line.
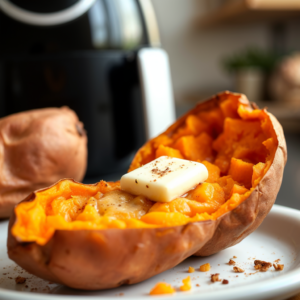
[(162, 288), (97, 236), (241, 171)]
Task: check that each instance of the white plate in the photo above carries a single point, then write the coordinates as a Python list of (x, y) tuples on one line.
[(277, 238)]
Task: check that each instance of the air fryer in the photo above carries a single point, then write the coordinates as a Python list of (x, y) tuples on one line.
[(99, 57)]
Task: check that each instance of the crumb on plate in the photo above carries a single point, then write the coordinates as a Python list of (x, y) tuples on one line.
[(238, 270), (205, 267), (262, 266), (278, 267), (225, 281), (162, 288), (186, 284), (215, 277), (20, 280)]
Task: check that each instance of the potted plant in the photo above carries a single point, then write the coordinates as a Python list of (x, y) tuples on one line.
[(251, 68)]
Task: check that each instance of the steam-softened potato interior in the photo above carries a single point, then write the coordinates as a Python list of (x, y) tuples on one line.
[(236, 143)]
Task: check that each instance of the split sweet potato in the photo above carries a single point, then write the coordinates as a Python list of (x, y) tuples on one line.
[(98, 236)]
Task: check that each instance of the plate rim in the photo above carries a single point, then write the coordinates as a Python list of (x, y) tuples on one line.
[(287, 284)]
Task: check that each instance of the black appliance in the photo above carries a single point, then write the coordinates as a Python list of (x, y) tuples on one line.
[(100, 58)]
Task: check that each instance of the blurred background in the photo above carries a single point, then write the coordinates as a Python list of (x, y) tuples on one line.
[(115, 61), (252, 47)]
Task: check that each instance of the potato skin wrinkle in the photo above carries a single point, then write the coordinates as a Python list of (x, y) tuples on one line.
[(97, 236), (38, 148)]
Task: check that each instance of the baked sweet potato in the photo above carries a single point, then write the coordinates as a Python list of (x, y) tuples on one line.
[(38, 148), (98, 236)]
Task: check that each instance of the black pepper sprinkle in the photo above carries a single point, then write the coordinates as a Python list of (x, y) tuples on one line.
[(161, 173), (147, 186), (136, 181)]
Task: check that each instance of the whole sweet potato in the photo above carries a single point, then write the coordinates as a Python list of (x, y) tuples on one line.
[(97, 236), (38, 148)]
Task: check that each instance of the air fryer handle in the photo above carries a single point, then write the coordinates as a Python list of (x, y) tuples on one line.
[(43, 19), (157, 92)]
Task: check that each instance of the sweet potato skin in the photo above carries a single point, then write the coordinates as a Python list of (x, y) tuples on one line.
[(38, 148), (235, 225), (100, 259)]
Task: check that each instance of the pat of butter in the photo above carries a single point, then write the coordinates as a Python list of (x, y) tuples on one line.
[(164, 179)]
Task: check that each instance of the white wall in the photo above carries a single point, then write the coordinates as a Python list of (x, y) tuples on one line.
[(195, 54)]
